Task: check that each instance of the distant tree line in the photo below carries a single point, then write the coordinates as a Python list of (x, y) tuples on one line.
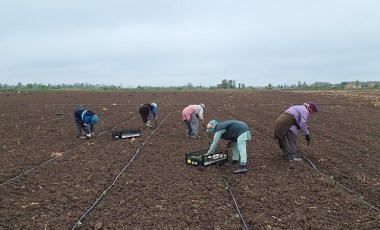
[(40, 86), (327, 85), (225, 84)]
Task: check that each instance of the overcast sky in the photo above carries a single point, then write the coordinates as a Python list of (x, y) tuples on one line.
[(173, 43)]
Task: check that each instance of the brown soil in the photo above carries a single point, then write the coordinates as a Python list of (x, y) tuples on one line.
[(50, 180)]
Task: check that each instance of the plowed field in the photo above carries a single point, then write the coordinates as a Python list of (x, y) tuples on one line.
[(49, 179)]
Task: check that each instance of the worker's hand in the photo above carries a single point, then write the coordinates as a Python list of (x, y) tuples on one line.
[(307, 138)]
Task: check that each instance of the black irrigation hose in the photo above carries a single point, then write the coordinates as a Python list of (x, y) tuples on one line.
[(235, 203), (36, 167), (54, 158), (232, 195), (344, 187), (79, 222)]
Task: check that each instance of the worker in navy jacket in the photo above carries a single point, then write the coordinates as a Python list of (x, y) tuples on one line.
[(237, 133), (85, 121)]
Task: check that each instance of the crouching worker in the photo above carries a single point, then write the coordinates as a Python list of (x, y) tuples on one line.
[(148, 113), (85, 120), (236, 132), (287, 126)]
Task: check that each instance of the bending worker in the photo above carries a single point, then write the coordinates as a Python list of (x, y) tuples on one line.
[(148, 113), (237, 133), (190, 116), (85, 120), (287, 126)]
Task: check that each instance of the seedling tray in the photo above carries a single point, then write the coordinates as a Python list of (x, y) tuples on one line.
[(124, 134), (199, 158)]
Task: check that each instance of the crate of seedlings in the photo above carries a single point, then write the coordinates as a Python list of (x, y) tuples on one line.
[(199, 158), (124, 134)]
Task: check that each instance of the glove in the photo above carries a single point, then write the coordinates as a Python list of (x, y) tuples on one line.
[(307, 138)]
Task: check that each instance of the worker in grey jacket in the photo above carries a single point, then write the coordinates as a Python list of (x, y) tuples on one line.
[(237, 133)]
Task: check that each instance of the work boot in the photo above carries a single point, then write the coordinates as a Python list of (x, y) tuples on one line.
[(242, 169)]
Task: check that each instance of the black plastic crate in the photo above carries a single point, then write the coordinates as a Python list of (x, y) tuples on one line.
[(124, 134), (199, 158)]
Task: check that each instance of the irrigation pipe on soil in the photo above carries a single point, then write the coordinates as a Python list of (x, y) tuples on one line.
[(232, 195), (235, 202), (79, 222), (344, 187), (34, 168), (52, 159)]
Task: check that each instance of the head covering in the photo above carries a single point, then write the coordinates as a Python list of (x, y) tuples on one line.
[(203, 106), (211, 126), (94, 119), (313, 106), (153, 104)]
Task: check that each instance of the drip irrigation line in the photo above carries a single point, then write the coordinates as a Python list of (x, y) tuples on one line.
[(344, 187), (34, 168), (54, 158), (234, 200), (79, 222)]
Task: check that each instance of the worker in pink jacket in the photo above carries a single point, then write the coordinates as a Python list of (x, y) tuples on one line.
[(190, 116)]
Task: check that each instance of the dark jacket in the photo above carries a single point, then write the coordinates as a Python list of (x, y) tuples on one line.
[(83, 118), (233, 129)]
